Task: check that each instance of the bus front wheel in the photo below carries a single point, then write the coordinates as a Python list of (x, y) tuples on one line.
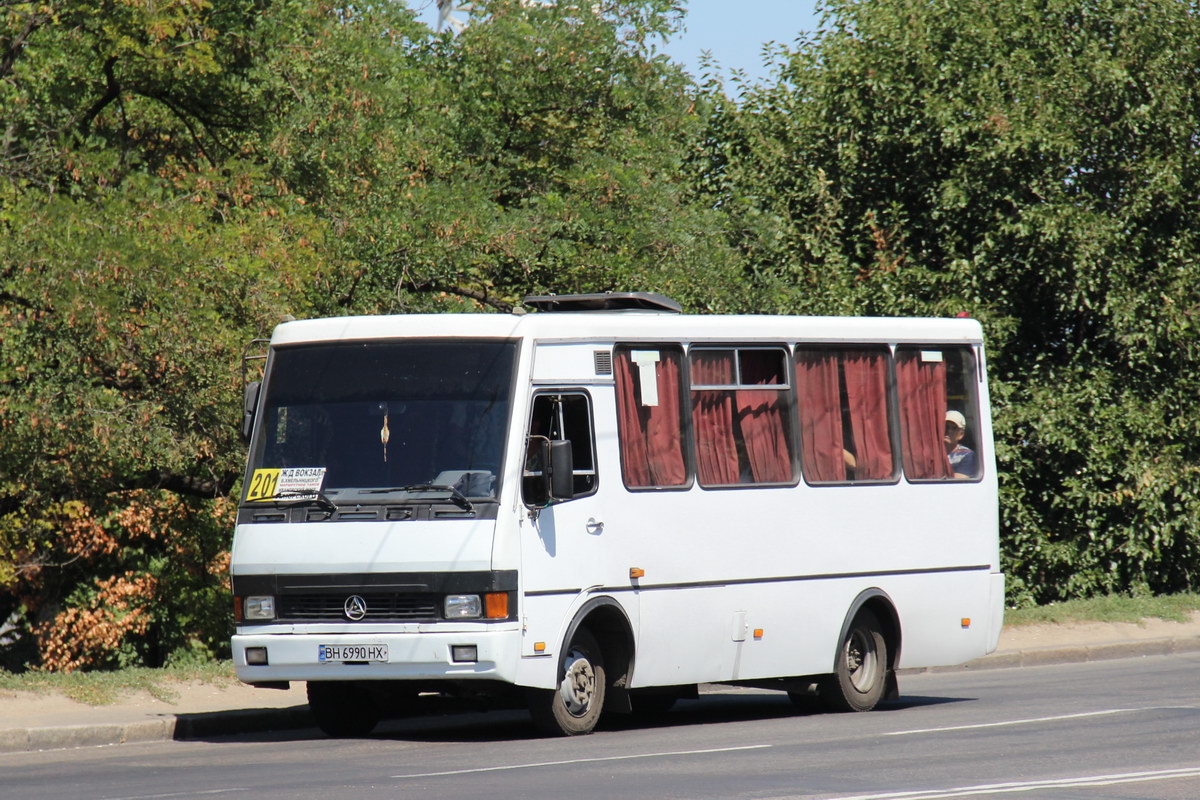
[(861, 667), (574, 707)]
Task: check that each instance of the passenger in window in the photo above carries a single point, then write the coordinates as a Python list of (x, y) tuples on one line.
[(963, 462)]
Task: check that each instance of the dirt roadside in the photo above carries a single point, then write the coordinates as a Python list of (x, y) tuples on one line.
[(1025, 637)]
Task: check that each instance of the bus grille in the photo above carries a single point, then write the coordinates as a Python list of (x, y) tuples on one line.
[(380, 606)]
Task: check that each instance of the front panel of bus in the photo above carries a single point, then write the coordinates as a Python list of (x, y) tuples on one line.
[(363, 548)]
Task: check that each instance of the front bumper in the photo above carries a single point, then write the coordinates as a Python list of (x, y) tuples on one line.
[(416, 655)]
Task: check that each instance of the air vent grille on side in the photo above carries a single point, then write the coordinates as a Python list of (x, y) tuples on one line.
[(603, 360)]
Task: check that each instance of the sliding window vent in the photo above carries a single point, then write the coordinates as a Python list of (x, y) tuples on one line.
[(603, 360)]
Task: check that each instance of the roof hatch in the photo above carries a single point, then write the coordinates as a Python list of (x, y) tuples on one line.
[(604, 301)]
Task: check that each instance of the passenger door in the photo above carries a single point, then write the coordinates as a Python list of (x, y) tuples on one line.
[(562, 538)]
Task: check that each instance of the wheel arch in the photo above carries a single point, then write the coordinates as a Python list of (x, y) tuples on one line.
[(607, 621), (880, 603)]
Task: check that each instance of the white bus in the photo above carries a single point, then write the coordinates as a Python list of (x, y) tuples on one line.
[(602, 504)]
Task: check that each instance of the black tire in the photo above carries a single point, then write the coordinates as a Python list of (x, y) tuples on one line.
[(861, 667), (574, 707), (342, 710)]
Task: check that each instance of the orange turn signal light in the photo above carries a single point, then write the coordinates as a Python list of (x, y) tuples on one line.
[(636, 572), (966, 622), (495, 605)]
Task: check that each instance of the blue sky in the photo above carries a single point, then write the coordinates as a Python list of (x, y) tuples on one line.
[(732, 30), (735, 30)]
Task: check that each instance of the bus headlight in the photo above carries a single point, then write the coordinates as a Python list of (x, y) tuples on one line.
[(259, 607), (463, 606)]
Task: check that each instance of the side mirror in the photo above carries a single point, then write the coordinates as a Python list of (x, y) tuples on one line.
[(562, 470), (249, 404)]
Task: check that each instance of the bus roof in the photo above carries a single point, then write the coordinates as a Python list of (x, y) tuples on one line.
[(629, 325)]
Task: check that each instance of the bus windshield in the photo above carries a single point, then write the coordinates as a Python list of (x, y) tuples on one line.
[(360, 421)]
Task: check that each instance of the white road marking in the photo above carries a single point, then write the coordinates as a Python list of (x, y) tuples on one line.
[(179, 794), (583, 761), (1030, 786), (1105, 712)]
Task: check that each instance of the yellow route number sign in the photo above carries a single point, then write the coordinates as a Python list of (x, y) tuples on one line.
[(294, 483), (264, 484)]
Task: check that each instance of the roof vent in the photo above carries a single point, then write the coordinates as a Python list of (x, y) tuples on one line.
[(605, 301)]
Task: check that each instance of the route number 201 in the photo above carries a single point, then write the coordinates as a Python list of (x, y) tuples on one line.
[(263, 484)]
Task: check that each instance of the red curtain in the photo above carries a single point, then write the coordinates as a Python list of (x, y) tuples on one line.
[(651, 437), (865, 373), (922, 386), (760, 414), (712, 418), (822, 446)]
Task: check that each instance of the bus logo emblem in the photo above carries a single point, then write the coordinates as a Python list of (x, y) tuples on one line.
[(355, 608)]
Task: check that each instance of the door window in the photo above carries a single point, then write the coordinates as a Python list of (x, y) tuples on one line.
[(557, 417)]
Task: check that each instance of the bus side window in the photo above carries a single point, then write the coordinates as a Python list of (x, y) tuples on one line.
[(557, 417), (845, 432), (741, 398), (650, 416), (939, 412)]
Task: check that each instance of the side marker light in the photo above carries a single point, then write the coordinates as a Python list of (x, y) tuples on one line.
[(966, 622)]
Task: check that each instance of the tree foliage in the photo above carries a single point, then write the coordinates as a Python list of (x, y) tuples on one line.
[(544, 154), (123, 323), (136, 259), (177, 176), (1036, 165)]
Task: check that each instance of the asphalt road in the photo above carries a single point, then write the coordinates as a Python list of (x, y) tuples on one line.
[(1107, 730)]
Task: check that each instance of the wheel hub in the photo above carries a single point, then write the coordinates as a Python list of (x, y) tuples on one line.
[(578, 686), (860, 661)]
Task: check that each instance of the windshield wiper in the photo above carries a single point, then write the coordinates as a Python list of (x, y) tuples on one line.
[(458, 497), (303, 498)]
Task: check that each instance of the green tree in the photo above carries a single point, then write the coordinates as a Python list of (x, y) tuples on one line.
[(1033, 164), (142, 243), (548, 157), (175, 177), (122, 328)]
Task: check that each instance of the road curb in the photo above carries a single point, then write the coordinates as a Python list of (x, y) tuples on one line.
[(180, 727), (1076, 654), (263, 720)]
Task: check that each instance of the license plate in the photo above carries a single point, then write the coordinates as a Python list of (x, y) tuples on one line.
[(352, 652)]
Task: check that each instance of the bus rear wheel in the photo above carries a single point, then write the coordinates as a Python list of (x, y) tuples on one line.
[(574, 707), (861, 667), (342, 710)]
